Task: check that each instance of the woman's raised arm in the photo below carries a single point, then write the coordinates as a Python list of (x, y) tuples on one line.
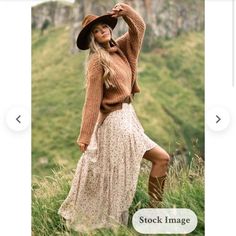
[(130, 42)]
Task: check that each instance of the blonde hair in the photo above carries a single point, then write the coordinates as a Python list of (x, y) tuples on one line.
[(104, 58)]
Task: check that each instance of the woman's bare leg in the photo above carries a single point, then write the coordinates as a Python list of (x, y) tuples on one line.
[(160, 161)]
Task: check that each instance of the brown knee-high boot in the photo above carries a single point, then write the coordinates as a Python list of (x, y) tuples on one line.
[(156, 190)]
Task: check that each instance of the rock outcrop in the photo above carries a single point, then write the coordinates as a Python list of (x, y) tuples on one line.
[(164, 18)]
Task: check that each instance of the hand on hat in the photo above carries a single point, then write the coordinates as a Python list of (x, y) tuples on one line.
[(117, 10)]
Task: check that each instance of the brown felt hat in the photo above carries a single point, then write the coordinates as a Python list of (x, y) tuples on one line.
[(88, 22)]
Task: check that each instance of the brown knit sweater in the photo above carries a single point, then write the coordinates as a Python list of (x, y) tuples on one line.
[(100, 101)]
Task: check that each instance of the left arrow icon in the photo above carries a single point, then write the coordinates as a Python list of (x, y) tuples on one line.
[(18, 118)]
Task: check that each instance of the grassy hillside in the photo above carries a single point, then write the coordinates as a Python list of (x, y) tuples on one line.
[(170, 105), (184, 189), (170, 108)]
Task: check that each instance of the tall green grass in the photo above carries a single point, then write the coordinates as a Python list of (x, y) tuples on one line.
[(184, 189)]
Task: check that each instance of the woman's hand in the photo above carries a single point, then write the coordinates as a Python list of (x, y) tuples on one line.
[(82, 146), (118, 10)]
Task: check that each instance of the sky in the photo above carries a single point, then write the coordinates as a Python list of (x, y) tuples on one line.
[(35, 2)]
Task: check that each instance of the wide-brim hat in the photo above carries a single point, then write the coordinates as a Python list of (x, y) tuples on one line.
[(88, 22)]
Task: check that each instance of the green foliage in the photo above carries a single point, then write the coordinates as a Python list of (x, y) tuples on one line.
[(172, 82), (45, 24), (33, 25), (184, 189), (170, 108), (170, 105)]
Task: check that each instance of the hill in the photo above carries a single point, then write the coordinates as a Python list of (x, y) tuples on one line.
[(170, 105), (170, 108)]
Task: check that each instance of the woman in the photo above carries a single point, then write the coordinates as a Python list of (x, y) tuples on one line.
[(111, 137)]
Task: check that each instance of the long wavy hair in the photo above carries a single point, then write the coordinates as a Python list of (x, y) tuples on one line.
[(104, 58)]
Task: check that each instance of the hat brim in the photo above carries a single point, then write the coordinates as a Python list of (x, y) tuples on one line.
[(82, 39)]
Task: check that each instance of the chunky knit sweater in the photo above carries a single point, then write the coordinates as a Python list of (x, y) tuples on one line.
[(101, 101)]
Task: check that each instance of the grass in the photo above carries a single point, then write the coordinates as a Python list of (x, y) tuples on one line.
[(170, 105), (184, 189), (170, 108)]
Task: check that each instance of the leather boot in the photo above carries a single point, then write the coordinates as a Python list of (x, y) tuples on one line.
[(156, 190)]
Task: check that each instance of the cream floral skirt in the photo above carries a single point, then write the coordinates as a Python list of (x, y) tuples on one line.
[(106, 176)]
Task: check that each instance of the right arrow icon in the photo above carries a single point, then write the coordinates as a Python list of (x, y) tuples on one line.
[(218, 119)]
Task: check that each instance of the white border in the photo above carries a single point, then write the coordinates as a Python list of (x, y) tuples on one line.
[(15, 89)]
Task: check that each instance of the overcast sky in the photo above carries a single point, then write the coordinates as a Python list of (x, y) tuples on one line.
[(35, 2)]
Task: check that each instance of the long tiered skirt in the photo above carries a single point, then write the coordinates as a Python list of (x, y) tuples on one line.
[(106, 176)]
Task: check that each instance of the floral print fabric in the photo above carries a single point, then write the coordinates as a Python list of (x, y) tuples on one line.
[(106, 176)]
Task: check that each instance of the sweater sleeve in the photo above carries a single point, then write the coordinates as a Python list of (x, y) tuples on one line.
[(130, 42), (93, 99)]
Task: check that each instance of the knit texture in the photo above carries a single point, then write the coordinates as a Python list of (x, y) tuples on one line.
[(99, 100)]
